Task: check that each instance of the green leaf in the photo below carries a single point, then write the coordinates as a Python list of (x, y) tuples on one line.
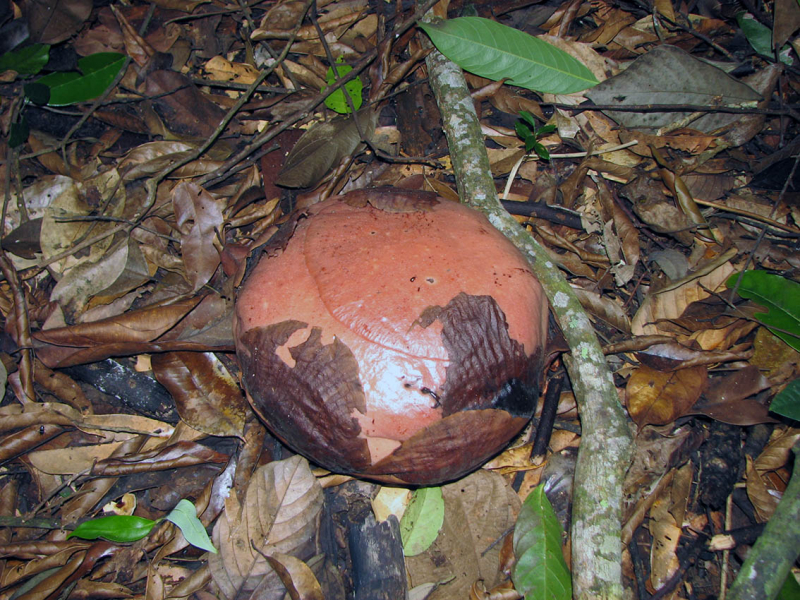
[(336, 101), (541, 151), (759, 36), (422, 520), (495, 51), (787, 403), (116, 528), (523, 132), (184, 515), (790, 589), (27, 61), (528, 118), (541, 571), (97, 73), (781, 298), (37, 93)]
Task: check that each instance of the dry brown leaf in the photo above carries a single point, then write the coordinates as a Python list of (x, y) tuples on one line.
[(52, 21), (137, 326), (26, 439), (604, 308), (657, 398), (135, 46), (666, 536), (207, 397), (479, 509), (179, 454), (671, 304), (762, 496), (322, 146), (280, 512), (199, 219), (777, 452), (297, 576)]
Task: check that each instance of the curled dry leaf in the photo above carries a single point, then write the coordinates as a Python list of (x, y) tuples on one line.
[(297, 576), (199, 219), (656, 398), (179, 454), (208, 398), (279, 513), (671, 304), (762, 495), (604, 308)]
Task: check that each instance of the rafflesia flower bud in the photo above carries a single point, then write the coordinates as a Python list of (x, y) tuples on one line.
[(393, 335)]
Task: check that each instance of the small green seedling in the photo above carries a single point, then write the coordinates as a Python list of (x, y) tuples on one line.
[(527, 131), (128, 528)]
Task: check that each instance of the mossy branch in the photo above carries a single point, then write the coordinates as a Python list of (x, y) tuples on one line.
[(606, 446)]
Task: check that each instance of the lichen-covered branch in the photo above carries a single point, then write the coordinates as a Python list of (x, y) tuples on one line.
[(771, 558), (605, 448)]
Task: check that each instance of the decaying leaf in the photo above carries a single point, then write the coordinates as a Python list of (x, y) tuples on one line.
[(279, 513), (666, 534), (478, 510), (657, 398), (668, 75), (199, 218), (323, 146), (207, 397)]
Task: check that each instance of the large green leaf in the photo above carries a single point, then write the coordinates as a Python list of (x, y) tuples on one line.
[(787, 403), (495, 51), (97, 73), (117, 528), (781, 298), (27, 61), (541, 571)]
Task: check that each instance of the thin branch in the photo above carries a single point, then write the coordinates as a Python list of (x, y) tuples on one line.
[(606, 445)]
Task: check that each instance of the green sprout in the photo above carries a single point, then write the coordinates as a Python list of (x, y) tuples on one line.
[(528, 132)]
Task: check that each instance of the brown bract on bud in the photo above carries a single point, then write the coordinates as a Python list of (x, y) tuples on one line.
[(392, 335)]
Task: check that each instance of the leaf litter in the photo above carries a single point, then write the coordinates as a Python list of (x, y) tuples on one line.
[(125, 239)]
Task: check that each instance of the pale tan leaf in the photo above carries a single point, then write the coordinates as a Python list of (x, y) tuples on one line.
[(666, 535), (120, 270), (60, 229), (604, 308), (761, 496), (279, 512), (297, 577), (777, 452), (671, 304)]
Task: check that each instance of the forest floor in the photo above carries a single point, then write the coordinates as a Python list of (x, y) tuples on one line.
[(136, 184)]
